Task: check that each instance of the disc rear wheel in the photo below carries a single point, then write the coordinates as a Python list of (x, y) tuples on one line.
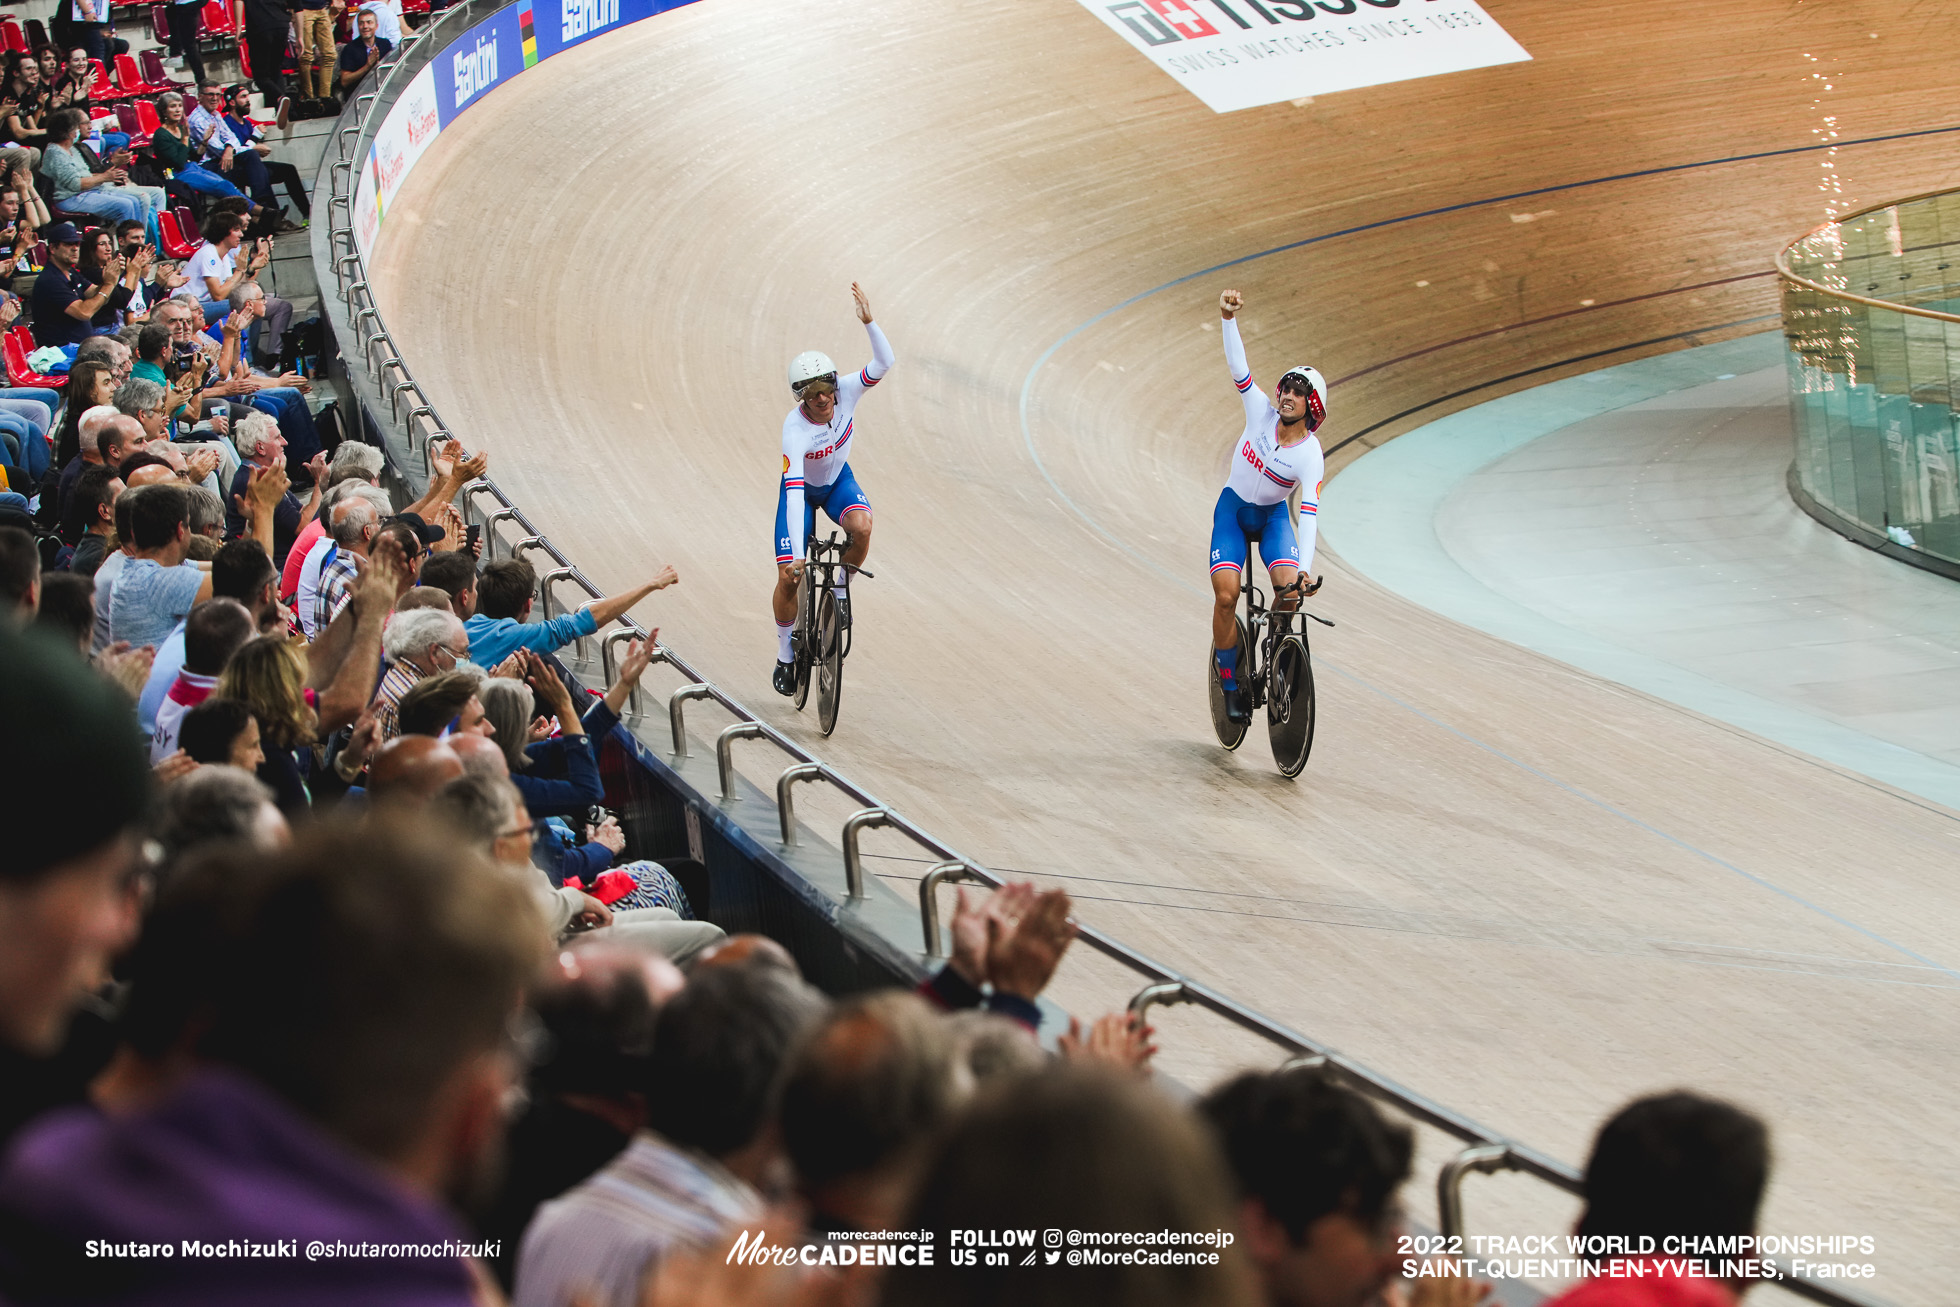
[(829, 663), (1230, 733), (1290, 706)]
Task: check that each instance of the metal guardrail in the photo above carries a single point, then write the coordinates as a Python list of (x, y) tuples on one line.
[(1485, 1151)]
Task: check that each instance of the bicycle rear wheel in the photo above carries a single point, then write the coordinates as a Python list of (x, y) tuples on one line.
[(1230, 733), (829, 669), (1290, 707)]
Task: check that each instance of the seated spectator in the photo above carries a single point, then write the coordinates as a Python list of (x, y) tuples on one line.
[(351, 461), (216, 270), (718, 1047), (423, 596), (246, 131), (89, 521), (268, 676), (567, 778), (454, 572), (156, 589), (104, 191), (231, 158), (480, 754), (387, 19), (503, 599), (150, 405), (360, 1107), (67, 611), (105, 575), (207, 521), (597, 1003), (221, 731), (418, 644), (20, 575), (443, 704), (68, 888), (66, 299), (215, 630), (1080, 1148), (354, 523), (488, 812), (1317, 1167), (364, 53), (862, 1098), (1673, 1164), (174, 147), (260, 444), (88, 450), (217, 804), (239, 571), (100, 258)]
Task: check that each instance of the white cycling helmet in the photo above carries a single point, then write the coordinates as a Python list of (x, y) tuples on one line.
[(810, 365), (1316, 392)]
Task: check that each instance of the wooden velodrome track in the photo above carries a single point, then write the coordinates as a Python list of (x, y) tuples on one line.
[(1525, 892)]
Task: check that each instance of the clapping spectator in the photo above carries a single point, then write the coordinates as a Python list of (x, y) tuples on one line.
[(353, 525), (364, 53), (157, 588), (176, 149), (351, 461), (97, 188), (503, 599), (232, 158), (262, 446), (718, 1048), (1005, 951), (238, 117), (418, 644), (66, 299)]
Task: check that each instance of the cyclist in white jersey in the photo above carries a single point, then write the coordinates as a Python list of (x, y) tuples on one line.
[(1276, 454), (817, 474)]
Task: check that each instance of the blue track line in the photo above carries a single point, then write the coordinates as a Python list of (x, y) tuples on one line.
[(1027, 439)]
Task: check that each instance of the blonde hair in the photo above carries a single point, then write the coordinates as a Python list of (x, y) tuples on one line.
[(267, 675)]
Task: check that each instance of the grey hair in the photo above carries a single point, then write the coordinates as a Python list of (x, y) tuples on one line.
[(478, 807), (354, 458), (137, 396), (207, 510), (92, 422), (252, 431), (363, 507), (244, 293), (216, 803), (408, 635), (510, 705)]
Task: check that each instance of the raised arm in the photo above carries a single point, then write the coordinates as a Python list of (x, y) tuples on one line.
[(1229, 305), (881, 349)]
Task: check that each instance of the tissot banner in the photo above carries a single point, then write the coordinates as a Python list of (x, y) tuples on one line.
[(1236, 54)]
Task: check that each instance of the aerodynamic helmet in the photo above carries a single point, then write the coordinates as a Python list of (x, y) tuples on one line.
[(1316, 392), (811, 365)]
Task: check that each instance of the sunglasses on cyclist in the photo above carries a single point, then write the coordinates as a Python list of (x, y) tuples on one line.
[(824, 385), (1293, 385)]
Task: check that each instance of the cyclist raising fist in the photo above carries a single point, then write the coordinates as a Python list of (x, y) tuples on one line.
[(817, 474), (1277, 452)]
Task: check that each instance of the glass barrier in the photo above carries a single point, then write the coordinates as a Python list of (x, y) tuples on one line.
[(1871, 317)]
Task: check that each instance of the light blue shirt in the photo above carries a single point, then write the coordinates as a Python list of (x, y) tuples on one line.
[(200, 119), (163, 675), (494, 639), (149, 600)]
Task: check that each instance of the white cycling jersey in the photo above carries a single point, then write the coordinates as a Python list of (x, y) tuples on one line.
[(1264, 472), (814, 453)]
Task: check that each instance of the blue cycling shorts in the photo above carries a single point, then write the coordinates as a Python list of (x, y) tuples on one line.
[(836, 499), (1235, 523)]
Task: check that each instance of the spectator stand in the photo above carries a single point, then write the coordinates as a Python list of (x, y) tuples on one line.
[(670, 767)]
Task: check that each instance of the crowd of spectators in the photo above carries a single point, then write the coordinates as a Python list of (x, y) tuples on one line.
[(315, 926), (280, 972)]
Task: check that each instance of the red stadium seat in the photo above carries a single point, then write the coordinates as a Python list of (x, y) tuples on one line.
[(174, 244), (218, 20), (12, 38), (159, 25), (156, 74), (129, 80), (104, 88), (131, 125), (17, 370), (146, 118)]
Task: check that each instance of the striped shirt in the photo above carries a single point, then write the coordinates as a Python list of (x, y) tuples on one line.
[(598, 1242)]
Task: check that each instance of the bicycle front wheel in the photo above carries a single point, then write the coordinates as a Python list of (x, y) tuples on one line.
[(829, 668), (1290, 706), (805, 641), (1230, 733)]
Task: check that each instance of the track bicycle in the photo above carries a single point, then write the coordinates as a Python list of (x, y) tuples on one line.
[(820, 642), (1276, 671)]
